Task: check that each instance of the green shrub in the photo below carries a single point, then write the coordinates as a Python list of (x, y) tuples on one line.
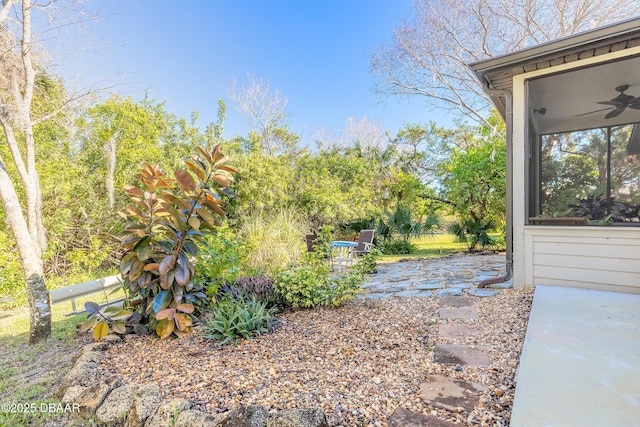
[(275, 238), (473, 233), (260, 287), (397, 247), (166, 220), (219, 259), (239, 319), (115, 318), (310, 285), (368, 264)]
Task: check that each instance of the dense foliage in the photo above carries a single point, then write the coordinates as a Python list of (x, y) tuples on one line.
[(403, 187), (165, 223)]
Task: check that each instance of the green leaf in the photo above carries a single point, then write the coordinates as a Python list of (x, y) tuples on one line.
[(112, 309), (185, 181), (91, 307), (182, 275), (122, 315), (185, 308), (88, 324), (161, 300), (166, 313), (101, 330), (167, 264), (196, 168), (119, 328), (165, 328), (136, 268)]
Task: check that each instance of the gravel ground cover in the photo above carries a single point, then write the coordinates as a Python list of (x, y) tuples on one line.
[(359, 362)]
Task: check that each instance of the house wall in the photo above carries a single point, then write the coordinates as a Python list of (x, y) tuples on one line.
[(605, 258)]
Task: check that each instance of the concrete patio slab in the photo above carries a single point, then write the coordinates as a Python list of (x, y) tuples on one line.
[(453, 354), (450, 393), (580, 364)]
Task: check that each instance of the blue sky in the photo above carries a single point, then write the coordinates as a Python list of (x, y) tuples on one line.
[(314, 53)]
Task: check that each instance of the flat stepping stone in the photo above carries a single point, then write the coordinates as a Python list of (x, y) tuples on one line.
[(450, 393), (375, 295), (458, 313), (405, 418), (413, 293), (503, 285), (460, 285), (430, 286), (450, 292), (456, 301), (481, 292), (456, 330), (454, 354)]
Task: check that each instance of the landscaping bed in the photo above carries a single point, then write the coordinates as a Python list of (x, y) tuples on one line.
[(359, 362)]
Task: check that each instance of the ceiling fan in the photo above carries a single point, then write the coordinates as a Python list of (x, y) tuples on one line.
[(619, 103)]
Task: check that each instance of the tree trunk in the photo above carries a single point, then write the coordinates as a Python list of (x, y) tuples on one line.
[(29, 250), (111, 170)]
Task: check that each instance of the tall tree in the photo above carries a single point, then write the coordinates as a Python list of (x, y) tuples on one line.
[(16, 96), (266, 111), (18, 83), (428, 54)]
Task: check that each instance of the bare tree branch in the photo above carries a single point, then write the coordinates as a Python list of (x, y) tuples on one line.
[(428, 54), (265, 109)]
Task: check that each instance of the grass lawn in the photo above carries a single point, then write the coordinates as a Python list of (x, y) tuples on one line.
[(431, 246), (30, 374)]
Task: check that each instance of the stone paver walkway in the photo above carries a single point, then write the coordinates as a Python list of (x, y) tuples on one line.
[(454, 280), (455, 275)]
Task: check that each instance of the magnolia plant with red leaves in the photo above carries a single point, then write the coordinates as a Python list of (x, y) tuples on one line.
[(166, 220)]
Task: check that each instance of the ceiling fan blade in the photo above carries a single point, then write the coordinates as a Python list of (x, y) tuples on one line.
[(614, 113), (635, 103), (614, 103), (591, 112)]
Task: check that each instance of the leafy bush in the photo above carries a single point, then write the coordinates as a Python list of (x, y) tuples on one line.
[(260, 287), (310, 285), (275, 238), (367, 264), (397, 247), (473, 233), (166, 221), (239, 319), (116, 318), (219, 259)]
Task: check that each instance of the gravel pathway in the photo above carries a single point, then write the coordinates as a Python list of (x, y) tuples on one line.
[(359, 362)]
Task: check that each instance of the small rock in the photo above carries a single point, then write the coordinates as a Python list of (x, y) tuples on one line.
[(376, 380), (193, 418), (309, 417), (146, 401), (246, 416), (167, 412), (112, 338), (115, 407), (90, 398), (499, 392)]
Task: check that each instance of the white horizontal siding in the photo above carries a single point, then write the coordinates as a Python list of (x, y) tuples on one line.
[(605, 258)]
